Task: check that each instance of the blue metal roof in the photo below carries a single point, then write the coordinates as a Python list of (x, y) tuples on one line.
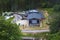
[(36, 15)]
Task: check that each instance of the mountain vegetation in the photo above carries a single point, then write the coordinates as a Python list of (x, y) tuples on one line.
[(10, 31)]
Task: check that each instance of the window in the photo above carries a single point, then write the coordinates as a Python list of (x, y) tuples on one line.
[(34, 22)]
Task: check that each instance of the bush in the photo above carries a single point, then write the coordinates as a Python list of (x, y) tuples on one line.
[(56, 8), (9, 31)]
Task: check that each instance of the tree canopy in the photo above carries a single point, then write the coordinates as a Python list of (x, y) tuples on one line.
[(13, 5), (55, 24), (9, 31)]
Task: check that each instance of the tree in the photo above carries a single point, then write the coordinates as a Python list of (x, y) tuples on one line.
[(56, 8), (55, 36), (9, 31), (11, 5), (55, 24)]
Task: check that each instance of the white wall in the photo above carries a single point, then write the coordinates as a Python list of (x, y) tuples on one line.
[(23, 22)]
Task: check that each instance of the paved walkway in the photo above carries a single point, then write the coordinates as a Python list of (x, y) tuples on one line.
[(35, 31)]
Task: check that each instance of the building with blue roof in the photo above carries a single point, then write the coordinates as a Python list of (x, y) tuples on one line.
[(34, 17)]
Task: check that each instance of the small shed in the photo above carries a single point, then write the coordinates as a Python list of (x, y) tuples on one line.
[(34, 17)]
